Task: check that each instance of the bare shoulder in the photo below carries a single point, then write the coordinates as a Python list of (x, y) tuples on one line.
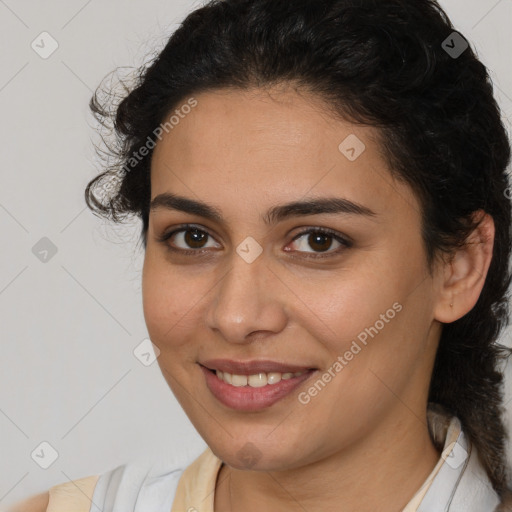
[(66, 496), (36, 503)]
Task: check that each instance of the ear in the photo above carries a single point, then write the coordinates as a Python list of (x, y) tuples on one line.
[(464, 274)]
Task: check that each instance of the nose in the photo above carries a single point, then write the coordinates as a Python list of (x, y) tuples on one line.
[(248, 303)]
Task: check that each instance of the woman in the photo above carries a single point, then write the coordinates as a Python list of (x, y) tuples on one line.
[(323, 193)]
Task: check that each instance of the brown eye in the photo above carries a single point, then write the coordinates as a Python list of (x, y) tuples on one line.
[(195, 238), (191, 241), (187, 240), (320, 241)]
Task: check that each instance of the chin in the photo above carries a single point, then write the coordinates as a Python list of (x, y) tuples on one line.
[(244, 454)]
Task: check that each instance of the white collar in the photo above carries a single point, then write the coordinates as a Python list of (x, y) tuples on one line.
[(461, 483)]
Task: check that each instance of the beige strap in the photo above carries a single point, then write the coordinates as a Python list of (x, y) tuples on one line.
[(196, 486), (74, 496)]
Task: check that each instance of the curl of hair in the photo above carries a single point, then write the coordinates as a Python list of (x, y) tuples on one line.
[(375, 63)]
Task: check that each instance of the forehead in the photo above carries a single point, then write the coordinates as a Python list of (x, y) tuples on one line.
[(272, 121), (254, 147)]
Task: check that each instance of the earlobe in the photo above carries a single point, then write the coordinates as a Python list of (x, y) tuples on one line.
[(465, 272)]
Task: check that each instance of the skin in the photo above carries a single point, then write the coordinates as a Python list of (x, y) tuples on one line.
[(362, 442), (36, 503)]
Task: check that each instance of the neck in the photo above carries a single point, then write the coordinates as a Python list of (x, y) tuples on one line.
[(382, 472)]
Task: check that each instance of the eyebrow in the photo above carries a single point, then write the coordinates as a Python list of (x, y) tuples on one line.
[(312, 206)]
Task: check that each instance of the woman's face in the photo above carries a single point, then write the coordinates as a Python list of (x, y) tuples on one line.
[(261, 292)]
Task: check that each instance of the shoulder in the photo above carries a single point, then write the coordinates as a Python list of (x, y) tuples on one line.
[(137, 483), (73, 495), (121, 488), (36, 503), (148, 485)]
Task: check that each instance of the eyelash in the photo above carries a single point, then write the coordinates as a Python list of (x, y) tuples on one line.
[(345, 244)]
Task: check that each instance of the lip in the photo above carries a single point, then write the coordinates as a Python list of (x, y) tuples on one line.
[(247, 398), (252, 367)]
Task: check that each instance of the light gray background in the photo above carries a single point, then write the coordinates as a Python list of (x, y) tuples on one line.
[(68, 375)]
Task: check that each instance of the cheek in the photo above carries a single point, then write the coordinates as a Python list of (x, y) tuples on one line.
[(166, 298), (339, 308)]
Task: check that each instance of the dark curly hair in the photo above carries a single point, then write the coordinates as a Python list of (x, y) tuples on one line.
[(374, 62)]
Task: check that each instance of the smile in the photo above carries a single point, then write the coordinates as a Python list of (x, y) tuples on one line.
[(252, 392), (256, 380)]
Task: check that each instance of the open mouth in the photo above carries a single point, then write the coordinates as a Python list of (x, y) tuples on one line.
[(256, 380), (255, 391)]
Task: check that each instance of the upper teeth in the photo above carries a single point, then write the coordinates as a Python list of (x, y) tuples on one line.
[(257, 380)]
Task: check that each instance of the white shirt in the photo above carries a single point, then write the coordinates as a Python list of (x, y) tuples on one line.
[(458, 483)]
